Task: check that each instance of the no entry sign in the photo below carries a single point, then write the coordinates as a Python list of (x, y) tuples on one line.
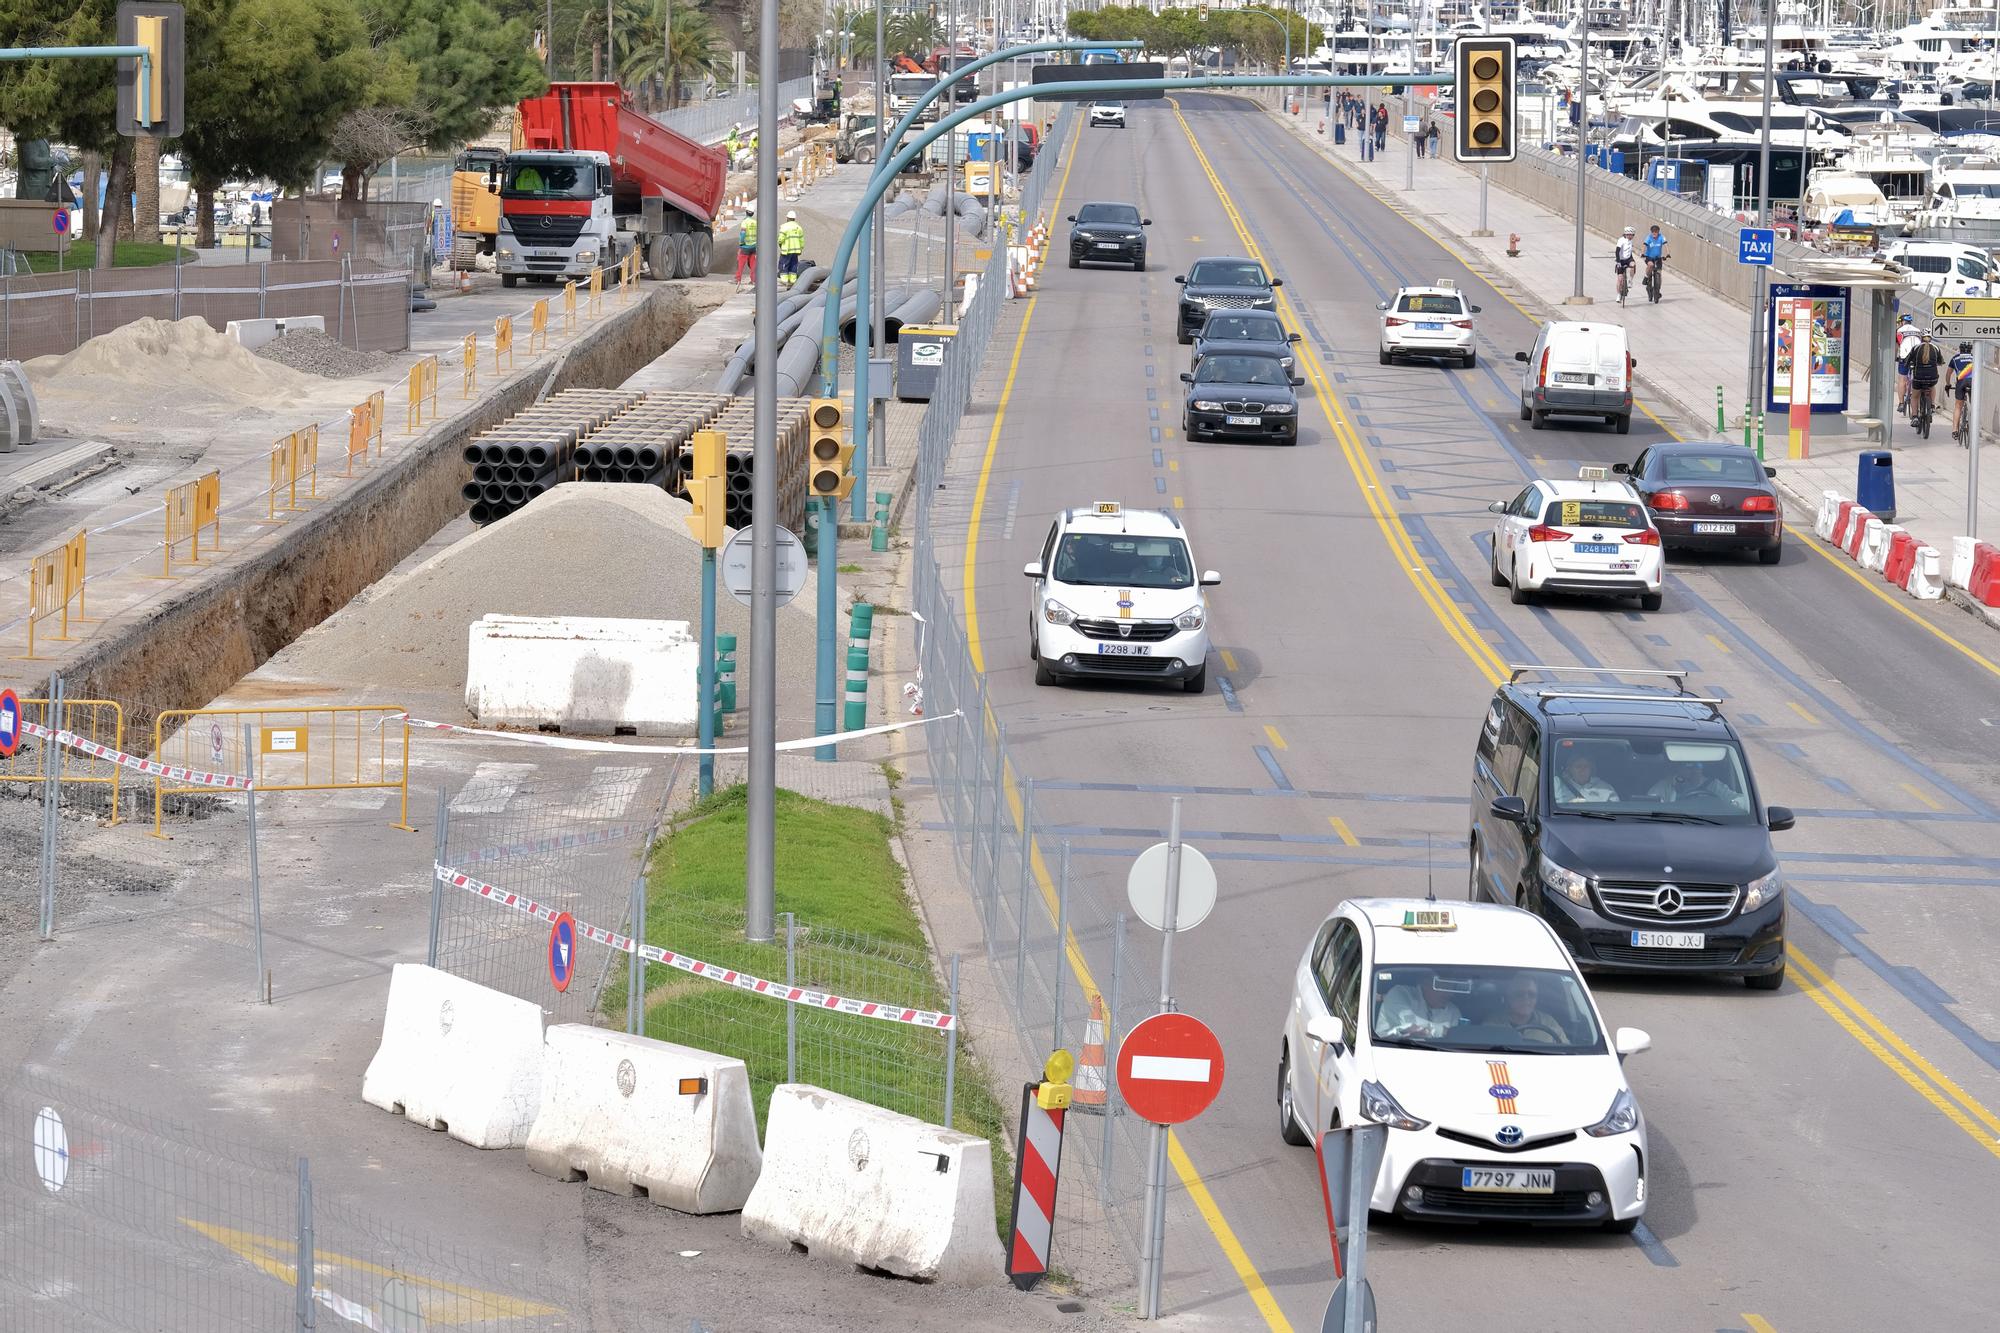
[(1170, 1068)]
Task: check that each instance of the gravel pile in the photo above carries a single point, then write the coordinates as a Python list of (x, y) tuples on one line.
[(148, 354), (315, 353)]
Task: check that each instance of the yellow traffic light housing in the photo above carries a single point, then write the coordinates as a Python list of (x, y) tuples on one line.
[(151, 91), (1486, 104), (827, 450), (1201, 11), (705, 489)]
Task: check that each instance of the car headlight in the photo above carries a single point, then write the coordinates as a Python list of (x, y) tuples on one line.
[(1207, 405), (1566, 882), (1622, 1118), (1379, 1106), (1192, 618), (586, 256), (1086, 236), (1285, 361), (1056, 613), (1276, 409), (1763, 889), (506, 253), (1267, 302)]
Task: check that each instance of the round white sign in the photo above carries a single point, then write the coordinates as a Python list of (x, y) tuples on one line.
[(1146, 887), (735, 564)]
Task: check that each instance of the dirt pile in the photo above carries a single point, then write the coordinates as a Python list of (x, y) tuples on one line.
[(186, 356), (316, 353)]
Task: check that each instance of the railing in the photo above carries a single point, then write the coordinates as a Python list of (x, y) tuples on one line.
[(709, 121)]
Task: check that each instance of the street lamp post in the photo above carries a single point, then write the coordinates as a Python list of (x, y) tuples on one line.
[(1761, 292), (1576, 296)]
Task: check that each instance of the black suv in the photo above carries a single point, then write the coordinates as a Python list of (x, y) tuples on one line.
[(1223, 283), (1626, 817), (1108, 233)]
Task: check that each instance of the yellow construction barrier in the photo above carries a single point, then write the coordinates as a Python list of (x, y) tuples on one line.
[(191, 507), (360, 432), (538, 327), (333, 748), (55, 579), (423, 386), (569, 308), (503, 342), (99, 720), (470, 350), (596, 306), (294, 457)]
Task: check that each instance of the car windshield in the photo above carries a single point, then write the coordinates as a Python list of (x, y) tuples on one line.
[(1229, 368), (1227, 273), (1650, 777), (1431, 305), (541, 178), (1116, 560), (1596, 514), (1727, 469), (1123, 213), (1487, 1010), (1242, 328)]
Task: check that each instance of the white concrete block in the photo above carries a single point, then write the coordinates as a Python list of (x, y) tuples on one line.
[(1927, 575), (254, 333), (23, 423), (583, 674), (458, 1057), (857, 1184), (613, 1113), (1875, 544), (1959, 575), (1829, 509)]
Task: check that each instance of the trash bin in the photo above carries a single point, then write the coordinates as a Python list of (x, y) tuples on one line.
[(1875, 484), (1339, 132)]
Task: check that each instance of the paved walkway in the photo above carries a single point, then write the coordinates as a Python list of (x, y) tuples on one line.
[(1686, 346)]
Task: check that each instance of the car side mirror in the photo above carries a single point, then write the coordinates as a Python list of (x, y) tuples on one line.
[(1291, 337), (1631, 1041), (1621, 468), (1381, 305), (1209, 578), (1181, 279), (1277, 282), (1329, 1030), (1475, 310), (1520, 356), (1145, 222), (1033, 569), (1633, 359), (1186, 378), (1770, 472), (1497, 507), (1298, 381), (1509, 809), (1778, 818)]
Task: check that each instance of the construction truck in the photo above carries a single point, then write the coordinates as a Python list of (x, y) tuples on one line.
[(475, 205), (594, 180)]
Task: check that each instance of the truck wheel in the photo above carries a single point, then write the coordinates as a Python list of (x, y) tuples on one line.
[(508, 279), (704, 254), (660, 258), (684, 254)]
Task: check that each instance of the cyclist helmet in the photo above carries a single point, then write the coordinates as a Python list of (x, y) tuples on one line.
[(1965, 347), (1926, 335), (1629, 232)]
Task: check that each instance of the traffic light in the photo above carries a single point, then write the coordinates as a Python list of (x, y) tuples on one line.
[(1485, 94), (827, 450), (704, 487), (151, 105), (1201, 11)]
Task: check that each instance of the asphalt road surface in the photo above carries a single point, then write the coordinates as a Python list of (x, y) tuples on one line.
[(1824, 1156)]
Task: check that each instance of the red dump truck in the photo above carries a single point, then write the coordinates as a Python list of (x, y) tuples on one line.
[(593, 180)]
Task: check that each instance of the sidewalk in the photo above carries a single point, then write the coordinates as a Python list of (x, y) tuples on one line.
[(1685, 347)]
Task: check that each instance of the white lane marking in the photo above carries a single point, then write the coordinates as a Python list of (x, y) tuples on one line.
[(1170, 1068), (608, 794), (491, 786)]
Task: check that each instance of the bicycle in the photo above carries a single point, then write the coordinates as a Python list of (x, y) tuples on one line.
[(1921, 409), (1653, 267), (1961, 425), (1624, 281)]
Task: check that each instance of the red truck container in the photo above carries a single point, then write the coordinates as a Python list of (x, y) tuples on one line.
[(594, 179)]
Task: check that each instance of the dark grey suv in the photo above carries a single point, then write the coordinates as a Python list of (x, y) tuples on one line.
[(1223, 282)]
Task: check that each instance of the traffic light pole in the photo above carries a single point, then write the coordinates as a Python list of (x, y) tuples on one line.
[(760, 842), (705, 671), (826, 649)]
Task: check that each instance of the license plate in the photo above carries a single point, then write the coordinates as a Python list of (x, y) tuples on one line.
[(1571, 377), (1244, 421), (1717, 529), (1429, 327), (1507, 1180), (1123, 650), (1669, 939), (1107, 245), (1595, 548)]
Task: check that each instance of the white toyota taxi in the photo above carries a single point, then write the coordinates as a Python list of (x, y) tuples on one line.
[(1428, 321), (1467, 1030), (1592, 536), (1115, 595)]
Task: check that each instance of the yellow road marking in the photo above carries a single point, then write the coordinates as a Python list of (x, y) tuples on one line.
[(1718, 643), (1173, 465), (1277, 741), (1229, 659), (1922, 795), (1346, 833), (1758, 1324), (1179, 503), (1800, 709)]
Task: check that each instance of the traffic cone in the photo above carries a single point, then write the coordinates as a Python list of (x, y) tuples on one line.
[(1087, 1086)]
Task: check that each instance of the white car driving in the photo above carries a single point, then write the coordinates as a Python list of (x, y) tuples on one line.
[(1107, 113), (1115, 595), (1466, 1029), (1593, 536), (1428, 321)]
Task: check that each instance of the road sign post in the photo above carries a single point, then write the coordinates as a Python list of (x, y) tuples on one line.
[(1757, 246), (1975, 319), (1349, 1160), (736, 565)]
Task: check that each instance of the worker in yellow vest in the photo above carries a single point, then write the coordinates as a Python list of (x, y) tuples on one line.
[(746, 249), (791, 245)]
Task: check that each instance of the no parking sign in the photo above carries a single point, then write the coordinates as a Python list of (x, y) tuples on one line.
[(562, 952), (10, 722)]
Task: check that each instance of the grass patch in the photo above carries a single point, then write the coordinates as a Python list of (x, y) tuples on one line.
[(847, 569), (857, 935), (129, 254)]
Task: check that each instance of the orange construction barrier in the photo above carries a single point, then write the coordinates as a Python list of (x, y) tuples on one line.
[(1088, 1087), (569, 308), (596, 306)]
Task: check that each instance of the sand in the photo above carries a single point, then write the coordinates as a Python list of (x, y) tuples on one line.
[(185, 356)]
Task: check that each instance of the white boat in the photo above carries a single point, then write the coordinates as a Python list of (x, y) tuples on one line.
[(1964, 204)]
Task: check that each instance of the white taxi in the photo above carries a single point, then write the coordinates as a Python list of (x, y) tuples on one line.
[(1593, 536), (1428, 321), (1466, 1029), (1115, 594)]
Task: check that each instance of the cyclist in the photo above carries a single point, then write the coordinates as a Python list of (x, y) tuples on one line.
[(1655, 250), (1906, 342), (1926, 360), (1621, 258), (1959, 378)]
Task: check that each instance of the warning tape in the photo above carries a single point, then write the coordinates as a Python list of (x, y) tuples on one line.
[(150, 767), (615, 747), (729, 976)]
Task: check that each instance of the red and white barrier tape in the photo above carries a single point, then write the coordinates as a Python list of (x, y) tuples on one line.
[(150, 767), (615, 747), (728, 976)]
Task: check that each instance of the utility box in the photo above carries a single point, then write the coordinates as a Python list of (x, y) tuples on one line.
[(920, 351)]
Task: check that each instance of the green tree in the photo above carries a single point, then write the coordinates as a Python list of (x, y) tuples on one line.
[(69, 101), (691, 51)]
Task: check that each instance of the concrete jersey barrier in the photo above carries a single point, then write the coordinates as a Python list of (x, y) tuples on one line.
[(592, 674), (857, 1184), (457, 1057), (613, 1113)]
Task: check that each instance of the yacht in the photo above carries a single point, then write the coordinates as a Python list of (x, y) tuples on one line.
[(1964, 204)]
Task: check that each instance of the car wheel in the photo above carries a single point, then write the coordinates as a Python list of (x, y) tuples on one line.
[(1493, 567), (1516, 594), (1650, 601), (1475, 890), (1539, 420), (1525, 414), (1139, 264), (1471, 360), (1623, 425), (1183, 337), (1622, 1226), (1770, 555), (1043, 676), (1383, 353), (1034, 648), (1288, 1123), (1198, 682), (1769, 981), (1074, 262), (509, 279)]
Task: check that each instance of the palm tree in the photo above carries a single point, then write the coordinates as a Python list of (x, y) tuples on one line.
[(915, 34), (690, 50)]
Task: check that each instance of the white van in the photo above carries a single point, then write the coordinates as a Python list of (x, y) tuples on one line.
[(1578, 370), (1945, 268)]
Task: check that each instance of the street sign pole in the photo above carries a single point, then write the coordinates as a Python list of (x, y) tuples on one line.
[(1972, 453), (760, 844), (1151, 1275), (705, 671)]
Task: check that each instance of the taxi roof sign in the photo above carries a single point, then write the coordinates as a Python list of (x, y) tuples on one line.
[(1446, 285), (1593, 474), (1428, 918), (1107, 507)]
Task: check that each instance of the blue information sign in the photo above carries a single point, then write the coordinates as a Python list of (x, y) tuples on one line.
[(562, 952), (1756, 245), (10, 722)]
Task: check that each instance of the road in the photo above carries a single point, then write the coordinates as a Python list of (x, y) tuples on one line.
[(1822, 1155)]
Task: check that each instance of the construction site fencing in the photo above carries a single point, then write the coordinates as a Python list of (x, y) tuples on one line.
[(707, 122), (49, 314), (340, 747), (115, 1219), (385, 234)]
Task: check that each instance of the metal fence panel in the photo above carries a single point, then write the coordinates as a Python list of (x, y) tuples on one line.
[(709, 121)]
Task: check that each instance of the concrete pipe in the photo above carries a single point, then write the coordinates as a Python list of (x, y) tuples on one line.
[(650, 458), (516, 454), (737, 485), (516, 496), (472, 490), (474, 453), (494, 494), (480, 515)]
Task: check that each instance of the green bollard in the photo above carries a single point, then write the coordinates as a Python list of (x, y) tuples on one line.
[(878, 540), (1721, 421), (1760, 437), (857, 690), (725, 672), (1746, 423)]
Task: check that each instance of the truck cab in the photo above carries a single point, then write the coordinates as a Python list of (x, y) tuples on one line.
[(556, 220)]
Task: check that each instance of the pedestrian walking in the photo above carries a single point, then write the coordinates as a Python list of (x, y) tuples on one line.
[(791, 244), (1435, 138), (1422, 137), (1381, 126), (746, 250)]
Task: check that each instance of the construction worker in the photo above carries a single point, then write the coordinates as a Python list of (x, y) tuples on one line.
[(746, 250), (732, 142), (791, 244)]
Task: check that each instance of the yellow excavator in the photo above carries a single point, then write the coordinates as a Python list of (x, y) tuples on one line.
[(475, 205)]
